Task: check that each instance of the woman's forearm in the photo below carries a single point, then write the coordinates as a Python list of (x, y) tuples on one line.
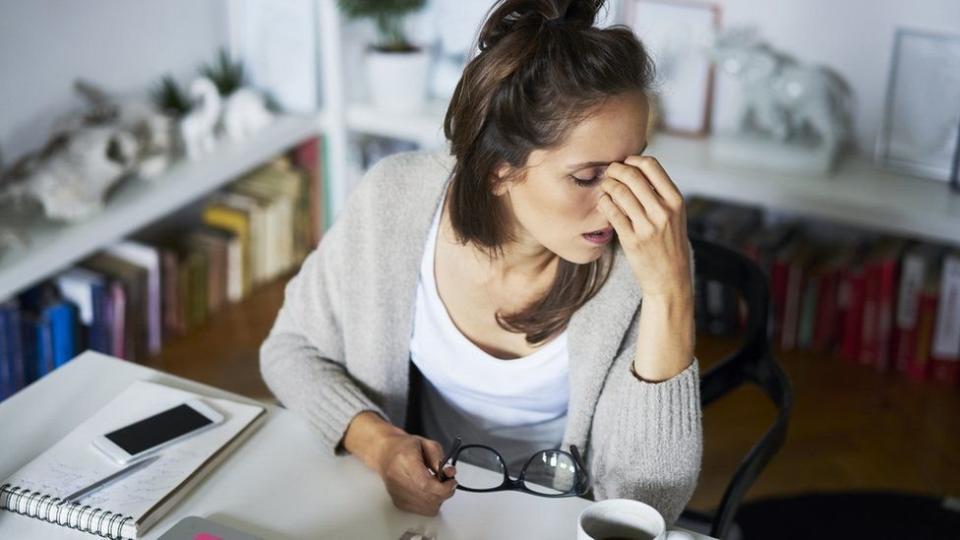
[(665, 336)]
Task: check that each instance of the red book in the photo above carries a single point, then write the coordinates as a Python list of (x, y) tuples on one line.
[(886, 271), (945, 350), (854, 283), (307, 157), (829, 314)]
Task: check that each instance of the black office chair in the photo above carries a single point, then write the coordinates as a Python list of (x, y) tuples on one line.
[(752, 363)]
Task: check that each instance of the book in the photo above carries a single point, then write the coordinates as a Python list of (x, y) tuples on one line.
[(216, 244), (798, 265), (852, 285), (945, 349), (218, 214), (827, 320), (880, 278), (726, 224), (173, 320), (132, 302), (87, 290), (11, 355), (918, 262), (311, 212), (129, 507), (808, 310), (918, 363), (145, 256)]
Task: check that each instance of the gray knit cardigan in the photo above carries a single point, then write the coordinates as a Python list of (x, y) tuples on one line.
[(340, 343)]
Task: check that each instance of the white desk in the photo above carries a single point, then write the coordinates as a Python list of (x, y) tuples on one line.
[(279, 485)]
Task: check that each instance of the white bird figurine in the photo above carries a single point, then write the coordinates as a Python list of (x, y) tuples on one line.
[(198, 127)]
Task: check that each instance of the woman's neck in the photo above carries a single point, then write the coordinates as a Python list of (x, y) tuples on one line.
[(521, 260)]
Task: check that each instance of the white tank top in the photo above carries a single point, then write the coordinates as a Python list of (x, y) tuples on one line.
[(517, 406)]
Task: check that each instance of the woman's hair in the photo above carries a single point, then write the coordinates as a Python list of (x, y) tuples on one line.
[(541, 67)]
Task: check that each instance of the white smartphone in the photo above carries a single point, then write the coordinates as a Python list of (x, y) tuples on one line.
[(143, 437)]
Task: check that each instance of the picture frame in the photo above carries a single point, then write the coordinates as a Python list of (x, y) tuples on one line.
[(920, 134), (676, 33)]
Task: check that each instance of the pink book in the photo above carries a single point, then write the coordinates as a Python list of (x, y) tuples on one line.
[(118, 329)]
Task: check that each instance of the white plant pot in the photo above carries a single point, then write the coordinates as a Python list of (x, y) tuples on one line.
[(397, 81)]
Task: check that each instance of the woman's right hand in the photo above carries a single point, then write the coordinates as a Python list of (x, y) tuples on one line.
[(406, 463)]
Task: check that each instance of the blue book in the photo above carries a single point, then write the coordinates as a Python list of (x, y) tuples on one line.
[(28, 339), (43, 340), (14, 346), (64, 321), (86, 289), (6, 358)]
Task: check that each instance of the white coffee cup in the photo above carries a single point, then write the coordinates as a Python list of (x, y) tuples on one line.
[(622, 518)]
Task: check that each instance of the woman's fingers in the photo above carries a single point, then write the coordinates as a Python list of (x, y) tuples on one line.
[(659, 179), (639, 187), (623, 196), (621, 223), (410, 478), (432, 454)]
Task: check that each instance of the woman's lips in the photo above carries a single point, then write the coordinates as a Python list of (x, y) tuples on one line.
[(599, 237)]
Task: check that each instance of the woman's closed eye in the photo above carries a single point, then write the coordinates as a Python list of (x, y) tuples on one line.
[(588, 181)]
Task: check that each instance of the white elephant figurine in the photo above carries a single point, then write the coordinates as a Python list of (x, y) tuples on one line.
[(782, 97), (244, 113), (198, 127)]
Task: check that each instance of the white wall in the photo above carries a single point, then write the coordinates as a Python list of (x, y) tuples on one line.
[(854, 37), (122, 45)]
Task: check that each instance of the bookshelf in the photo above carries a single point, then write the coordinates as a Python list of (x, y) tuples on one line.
[(137, 203), (424, 127), (859, 194)]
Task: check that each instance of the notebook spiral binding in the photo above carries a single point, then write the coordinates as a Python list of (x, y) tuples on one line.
[(37, 505)]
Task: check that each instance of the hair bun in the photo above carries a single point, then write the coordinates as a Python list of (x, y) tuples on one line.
[(508, 16)]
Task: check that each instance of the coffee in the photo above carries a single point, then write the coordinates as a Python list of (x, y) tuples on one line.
[(616, 531)]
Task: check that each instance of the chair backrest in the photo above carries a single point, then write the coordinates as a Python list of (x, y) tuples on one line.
[(753, 363)]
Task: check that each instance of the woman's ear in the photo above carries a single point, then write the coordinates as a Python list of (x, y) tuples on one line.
[(501, 181)]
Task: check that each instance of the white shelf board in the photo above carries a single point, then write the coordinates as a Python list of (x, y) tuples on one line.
[(859, 193), (53, 247), (424, 127)]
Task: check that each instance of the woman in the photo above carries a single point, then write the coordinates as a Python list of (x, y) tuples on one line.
[(506, 275)]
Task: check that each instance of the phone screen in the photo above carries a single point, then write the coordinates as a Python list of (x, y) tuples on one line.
[(158, 429)]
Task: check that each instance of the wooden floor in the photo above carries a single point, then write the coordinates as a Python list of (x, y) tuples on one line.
[(851, 429)]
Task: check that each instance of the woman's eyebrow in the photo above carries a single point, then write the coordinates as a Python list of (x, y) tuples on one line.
[(586, 164)]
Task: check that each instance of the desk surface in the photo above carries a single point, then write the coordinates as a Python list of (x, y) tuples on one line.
[(279, 485)]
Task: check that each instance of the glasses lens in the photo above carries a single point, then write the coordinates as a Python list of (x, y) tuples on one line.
[(489, 475), (550, 472)]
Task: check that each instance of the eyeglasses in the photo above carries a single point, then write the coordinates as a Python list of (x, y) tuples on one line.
[(548, 473)]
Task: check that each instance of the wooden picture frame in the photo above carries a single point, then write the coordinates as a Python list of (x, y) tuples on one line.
[(675, 33)]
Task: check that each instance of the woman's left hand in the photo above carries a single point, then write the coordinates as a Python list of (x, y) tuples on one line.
[(649, 215)]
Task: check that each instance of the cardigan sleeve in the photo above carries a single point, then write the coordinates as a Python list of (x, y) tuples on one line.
[(302, 359), (647, 438)]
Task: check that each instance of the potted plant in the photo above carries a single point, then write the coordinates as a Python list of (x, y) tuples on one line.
[(396, 69)]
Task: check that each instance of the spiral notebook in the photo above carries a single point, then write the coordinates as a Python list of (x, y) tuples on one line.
[(127, 508)]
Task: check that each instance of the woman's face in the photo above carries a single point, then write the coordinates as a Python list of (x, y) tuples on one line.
[(555, 205)]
